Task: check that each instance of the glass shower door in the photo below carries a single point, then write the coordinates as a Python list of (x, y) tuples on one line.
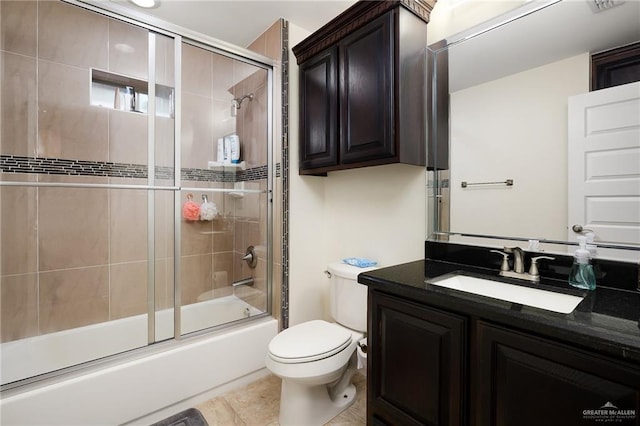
[(86, 187), (225, 101)]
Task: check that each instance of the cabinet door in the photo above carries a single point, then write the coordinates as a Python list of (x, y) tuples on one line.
[(524, 380), (319, 111), (367, 92), (415, 364)]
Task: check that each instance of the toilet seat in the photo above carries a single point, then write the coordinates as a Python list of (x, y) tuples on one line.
[(309, 341)]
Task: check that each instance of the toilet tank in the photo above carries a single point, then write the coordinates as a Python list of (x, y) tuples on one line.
[(348, 298)]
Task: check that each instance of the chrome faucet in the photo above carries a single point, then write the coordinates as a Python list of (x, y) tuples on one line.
[(518, 264), (518, 259)]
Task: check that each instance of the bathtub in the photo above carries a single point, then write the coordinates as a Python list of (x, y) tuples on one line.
[(131, 388)]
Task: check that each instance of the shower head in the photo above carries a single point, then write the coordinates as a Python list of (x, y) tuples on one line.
[(236, 103)]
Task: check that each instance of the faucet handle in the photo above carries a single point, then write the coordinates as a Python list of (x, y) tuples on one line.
[(533, 269), (505, 260)]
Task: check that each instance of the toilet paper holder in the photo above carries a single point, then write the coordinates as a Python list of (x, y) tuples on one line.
[(361, 353)]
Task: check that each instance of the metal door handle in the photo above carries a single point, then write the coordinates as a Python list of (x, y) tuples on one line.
[(578, 229)]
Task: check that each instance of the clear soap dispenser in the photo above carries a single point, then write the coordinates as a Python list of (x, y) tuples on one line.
[(581, 274)]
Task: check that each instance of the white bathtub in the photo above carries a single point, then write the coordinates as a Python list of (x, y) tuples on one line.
[(134, 388)]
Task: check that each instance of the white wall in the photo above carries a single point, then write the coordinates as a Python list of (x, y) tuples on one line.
[(375, 212), (524, 141), (307, 237)]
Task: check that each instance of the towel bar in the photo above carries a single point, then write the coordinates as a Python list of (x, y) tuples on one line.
[(508, 182)]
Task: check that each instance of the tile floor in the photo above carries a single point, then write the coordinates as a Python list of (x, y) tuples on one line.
[(257, 404)]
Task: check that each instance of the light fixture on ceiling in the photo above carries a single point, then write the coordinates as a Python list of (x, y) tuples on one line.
[(147, 4)]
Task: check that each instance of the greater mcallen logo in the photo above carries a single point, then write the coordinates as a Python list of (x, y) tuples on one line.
[(609, 413)]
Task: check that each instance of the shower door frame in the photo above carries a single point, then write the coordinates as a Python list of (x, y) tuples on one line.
[(269, 191), (179, 35), (183, 35)]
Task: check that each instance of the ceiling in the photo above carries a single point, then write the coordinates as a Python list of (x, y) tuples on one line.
[(238, 22), (560, 31)]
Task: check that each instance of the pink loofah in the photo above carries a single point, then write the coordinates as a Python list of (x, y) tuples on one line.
[(190, 210)]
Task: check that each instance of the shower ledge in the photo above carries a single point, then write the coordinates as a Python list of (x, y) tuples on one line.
[(216, 165)]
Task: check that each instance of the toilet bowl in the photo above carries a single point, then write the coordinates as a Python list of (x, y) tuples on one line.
[(317, 359)]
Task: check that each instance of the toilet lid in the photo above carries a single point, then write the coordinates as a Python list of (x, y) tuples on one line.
[(309, 341)]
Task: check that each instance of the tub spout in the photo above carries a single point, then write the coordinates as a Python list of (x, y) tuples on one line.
[(246, 282)]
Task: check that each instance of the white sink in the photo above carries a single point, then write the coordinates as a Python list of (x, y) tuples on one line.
[(537, 298)]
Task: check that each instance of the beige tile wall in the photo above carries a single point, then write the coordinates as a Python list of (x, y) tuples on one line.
[(128, 50), (127, 138), (72, 36), (18, 267), (18, 301), (72, 257), (18, 219), (73, 226), (73, 298), (207, 103), (69, 256), (67, 126), (18, 24), (18, 103)]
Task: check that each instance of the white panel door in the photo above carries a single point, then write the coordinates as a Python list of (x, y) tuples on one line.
[(604, 164)]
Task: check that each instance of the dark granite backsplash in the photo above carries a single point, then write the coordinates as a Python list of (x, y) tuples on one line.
[(609, 273)]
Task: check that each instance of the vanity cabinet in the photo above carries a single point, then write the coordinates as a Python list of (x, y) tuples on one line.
[(432, 366), (416, 368), (525, 380), (363, 88)]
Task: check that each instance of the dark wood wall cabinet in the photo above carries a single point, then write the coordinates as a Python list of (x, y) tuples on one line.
[(363, 88), (615, 66), (429, 366)]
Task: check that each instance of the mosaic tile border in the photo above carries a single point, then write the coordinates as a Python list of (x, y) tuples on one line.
[(285, 175), (69, 167)]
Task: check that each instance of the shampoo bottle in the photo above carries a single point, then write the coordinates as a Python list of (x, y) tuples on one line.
[(220, 157), (581, 274), (227, 150), (235, 148)]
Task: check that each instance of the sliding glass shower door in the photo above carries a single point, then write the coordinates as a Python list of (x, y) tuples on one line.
[(224, 248), (108, 126)]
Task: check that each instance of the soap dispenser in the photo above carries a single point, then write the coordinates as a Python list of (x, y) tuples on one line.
[(581, 274)]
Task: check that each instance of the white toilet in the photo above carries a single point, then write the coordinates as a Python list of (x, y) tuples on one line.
[(317, 359)]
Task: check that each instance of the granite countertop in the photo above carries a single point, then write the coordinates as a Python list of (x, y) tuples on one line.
[(606, 321)]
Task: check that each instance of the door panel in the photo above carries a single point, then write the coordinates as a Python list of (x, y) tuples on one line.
[(523, 380), (418, 361), (604, 164), (319, 111), (366, 92)]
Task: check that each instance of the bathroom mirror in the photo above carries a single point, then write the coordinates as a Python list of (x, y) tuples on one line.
[(502, 116)]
